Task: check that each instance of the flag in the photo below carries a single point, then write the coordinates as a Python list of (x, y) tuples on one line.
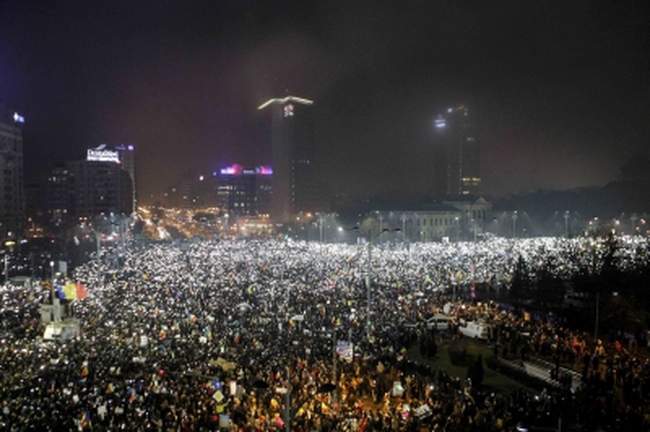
[(70, 291), (59, 292), (82, 292)]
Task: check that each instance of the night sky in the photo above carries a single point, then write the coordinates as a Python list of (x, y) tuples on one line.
[(560, 90)]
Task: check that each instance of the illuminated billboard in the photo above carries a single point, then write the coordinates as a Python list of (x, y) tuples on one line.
[(237, 169), (264, 170), (101, 155)]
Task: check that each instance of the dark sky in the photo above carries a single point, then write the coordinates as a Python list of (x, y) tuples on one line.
[(561, 90)]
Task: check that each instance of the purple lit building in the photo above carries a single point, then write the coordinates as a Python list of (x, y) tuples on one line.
[(244, 191)]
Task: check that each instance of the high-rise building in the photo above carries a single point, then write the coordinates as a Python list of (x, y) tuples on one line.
[(244, 191), (121, 154), (459, 152), (126, 154), (12, 204), (60, 195), (100, 187), (295, 172)]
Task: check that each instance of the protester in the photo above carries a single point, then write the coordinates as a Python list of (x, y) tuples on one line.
[(210, 335)]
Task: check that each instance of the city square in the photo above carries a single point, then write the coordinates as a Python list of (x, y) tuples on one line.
[(252, 216)]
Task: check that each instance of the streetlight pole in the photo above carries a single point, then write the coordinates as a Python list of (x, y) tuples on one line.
[(98, 242), (566, 223), (287, 403), (368, 291), (320, 220), (368, 285), (6, 267), (597, 315), (514, 223), (474, 228), (334, 371), (54, 313)]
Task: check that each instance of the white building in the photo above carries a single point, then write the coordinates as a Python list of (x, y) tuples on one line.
[(452, 220)]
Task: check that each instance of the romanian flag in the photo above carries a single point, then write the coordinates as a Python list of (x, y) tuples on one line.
[(70, 291), (82, 292)]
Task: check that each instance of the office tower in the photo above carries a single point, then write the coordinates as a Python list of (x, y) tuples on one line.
[(458, 150), (100, 187), (295, 175), (244, 191), (11, 173), (126, 154), (59, 197)]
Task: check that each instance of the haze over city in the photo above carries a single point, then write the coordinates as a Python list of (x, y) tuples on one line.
[(248, 215), (559, 93)]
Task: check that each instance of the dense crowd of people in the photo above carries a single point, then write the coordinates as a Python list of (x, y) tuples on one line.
[(243, 335)]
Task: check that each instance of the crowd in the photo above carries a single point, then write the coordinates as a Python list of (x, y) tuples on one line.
[(210, 335)]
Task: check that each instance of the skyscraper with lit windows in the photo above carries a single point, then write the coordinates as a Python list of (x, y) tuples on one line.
[(126, 154), (295, 173), (458, 150), (12, 203)]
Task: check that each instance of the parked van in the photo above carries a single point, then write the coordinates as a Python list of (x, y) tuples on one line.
[(438, 322), (475, 329)]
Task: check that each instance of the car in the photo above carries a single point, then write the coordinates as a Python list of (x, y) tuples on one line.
[(475, 329)]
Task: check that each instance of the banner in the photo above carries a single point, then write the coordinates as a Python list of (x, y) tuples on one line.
[(345, 350)]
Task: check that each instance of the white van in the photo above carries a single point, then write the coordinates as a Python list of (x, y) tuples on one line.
[(438, 322), (474, 329)]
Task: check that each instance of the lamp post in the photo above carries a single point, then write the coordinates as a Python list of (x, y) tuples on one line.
[(320, 227), (567, 214), (52, 285), (515, 215), (368, 271)]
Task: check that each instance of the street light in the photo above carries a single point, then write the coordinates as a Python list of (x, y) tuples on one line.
[(566, 223), (515, 215), (368, 270)]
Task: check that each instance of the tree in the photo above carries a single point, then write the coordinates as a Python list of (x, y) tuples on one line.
[(549, 289), (519, 289)]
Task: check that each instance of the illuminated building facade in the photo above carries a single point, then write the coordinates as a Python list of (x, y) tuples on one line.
[(244, 191), (12, 203), (60, 195), (100, 187), (123, 155), (126, 155), (458, 153), (295, 174)]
